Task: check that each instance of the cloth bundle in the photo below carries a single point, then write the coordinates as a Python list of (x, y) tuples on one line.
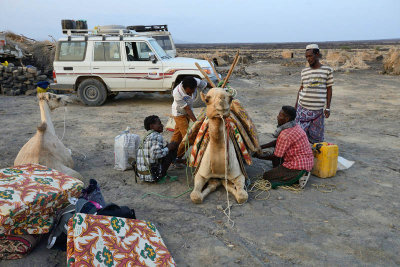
[(30, 196), (14, 247), (97, 240)]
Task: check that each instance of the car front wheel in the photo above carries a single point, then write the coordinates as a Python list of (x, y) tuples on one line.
[(92, 92), (198, 102)]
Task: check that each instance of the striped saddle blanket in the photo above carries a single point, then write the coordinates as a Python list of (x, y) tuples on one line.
[(242, 132)]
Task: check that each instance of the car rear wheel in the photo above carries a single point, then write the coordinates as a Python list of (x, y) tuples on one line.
[(92, 92)]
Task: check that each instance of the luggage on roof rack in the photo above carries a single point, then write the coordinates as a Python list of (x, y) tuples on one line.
[(111, 29), (67, 24), (148, 28)]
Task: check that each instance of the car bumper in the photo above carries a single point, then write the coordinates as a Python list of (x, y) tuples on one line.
[(65, 87)]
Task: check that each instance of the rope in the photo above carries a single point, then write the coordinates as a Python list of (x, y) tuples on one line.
[(294, 188), (324, 188), (226, 138), (261, 185), (228, 89), (65, 111)]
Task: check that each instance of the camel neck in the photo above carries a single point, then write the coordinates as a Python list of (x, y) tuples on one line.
[(216, 133), (45, 116)]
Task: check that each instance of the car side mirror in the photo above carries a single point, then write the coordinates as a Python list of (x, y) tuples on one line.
[(153, 57)]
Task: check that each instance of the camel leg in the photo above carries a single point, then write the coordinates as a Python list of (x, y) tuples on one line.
[(236, 188), (196, 195), (211, 187), (231, 188), (241, 194)]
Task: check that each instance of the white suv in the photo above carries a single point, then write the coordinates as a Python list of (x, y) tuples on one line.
[(100, 66)]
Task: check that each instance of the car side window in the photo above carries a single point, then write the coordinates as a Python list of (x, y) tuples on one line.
[(71, 51), (143, 51), (107, 51), (137, 51)]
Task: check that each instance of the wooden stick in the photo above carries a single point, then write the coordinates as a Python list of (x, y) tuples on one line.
[(237, 61), (205, 75), (231, 69), (212, 66)]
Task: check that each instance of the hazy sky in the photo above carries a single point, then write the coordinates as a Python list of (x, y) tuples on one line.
[(215, 21)]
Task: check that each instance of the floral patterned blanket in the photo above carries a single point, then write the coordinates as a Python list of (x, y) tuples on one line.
[(14, 247), (96, 240), (30, 196)]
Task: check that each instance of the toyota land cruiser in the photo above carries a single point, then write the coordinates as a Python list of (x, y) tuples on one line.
[(99, 65)]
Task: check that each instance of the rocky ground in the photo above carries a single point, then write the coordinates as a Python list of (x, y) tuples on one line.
[(355, 224)]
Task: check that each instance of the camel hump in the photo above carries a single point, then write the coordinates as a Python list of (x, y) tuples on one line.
[(42, 127)]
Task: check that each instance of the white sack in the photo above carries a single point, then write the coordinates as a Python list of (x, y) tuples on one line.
[(125, 146)]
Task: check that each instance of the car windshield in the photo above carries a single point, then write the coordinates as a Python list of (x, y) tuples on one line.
[(164, 42), (159, 49)]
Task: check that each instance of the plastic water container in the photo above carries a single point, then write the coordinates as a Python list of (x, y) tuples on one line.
[(325, 159)]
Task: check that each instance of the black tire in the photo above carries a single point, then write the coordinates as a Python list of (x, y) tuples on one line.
[(198, 102), (92, 92), (112, 95)]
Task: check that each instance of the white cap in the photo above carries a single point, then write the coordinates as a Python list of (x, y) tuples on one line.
[(312, 46)]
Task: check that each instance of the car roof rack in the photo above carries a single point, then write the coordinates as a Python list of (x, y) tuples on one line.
[(148, 28), (94, 33)]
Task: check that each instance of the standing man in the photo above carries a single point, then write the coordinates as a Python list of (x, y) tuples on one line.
[(182, 109), (314, 97)]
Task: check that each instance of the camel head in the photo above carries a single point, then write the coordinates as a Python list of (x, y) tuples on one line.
[(218, 102), (54, 101)]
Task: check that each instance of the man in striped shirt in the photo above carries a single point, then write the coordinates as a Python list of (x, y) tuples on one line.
[(314, 96)]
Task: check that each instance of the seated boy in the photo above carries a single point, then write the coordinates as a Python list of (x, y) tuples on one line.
[(293, 155), (154, 155)]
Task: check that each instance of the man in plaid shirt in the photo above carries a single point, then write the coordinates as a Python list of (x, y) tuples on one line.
[(291, 147), (155, 155)]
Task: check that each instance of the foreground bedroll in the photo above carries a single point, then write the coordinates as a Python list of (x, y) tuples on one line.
[(30, 196)]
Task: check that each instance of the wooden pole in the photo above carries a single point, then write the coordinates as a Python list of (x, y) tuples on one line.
[(212, 66), (205, 75), (231, 69)]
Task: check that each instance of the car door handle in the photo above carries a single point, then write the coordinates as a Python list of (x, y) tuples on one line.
[(153, 68), (132, 68), (95, 68)]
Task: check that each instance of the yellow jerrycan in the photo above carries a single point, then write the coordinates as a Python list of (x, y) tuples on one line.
[(325, 159)]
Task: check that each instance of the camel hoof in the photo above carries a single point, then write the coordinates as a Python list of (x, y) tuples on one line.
[(196, 197), (242, 197)]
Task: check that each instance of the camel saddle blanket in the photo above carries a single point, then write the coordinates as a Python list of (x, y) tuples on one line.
[(241, 115), (245, 134), (97, 240), (14, 247), (203, 138), (30, 196)]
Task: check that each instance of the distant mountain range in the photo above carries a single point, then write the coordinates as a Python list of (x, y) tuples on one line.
[(294, 45)]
